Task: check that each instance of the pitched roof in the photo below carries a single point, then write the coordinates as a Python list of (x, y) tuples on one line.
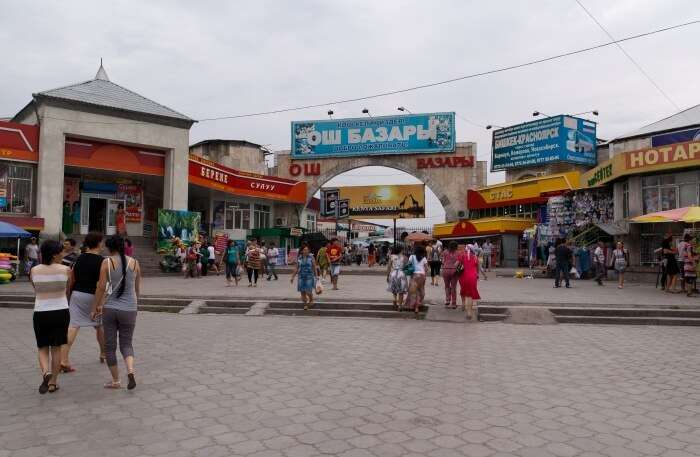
[(682, 119), (104, 93)]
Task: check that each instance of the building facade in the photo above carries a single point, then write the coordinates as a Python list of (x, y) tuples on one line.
[(101, 148)]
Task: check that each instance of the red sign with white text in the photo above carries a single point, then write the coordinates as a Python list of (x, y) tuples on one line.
[(210, 174)]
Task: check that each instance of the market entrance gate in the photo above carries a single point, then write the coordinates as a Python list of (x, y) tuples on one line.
[(448, 175)]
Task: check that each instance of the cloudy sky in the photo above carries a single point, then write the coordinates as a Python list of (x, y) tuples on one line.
[(209, 59)]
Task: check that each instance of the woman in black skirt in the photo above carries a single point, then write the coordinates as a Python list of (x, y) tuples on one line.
[(51, 316)]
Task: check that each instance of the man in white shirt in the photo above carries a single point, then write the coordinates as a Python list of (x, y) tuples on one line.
[(272, 253), (213, 264), (488, 249), (599, 260)]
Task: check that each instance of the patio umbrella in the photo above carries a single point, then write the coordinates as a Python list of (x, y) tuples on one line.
[(8, 230), (418, 236), (690, 214)]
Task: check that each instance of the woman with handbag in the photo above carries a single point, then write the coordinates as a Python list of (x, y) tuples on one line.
[(468, 273), (395, 276), (308, 272), (118, 287), (449, 274), (416, 286)]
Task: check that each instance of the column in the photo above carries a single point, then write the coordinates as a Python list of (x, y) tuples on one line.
[(49, 178), (175, 182)]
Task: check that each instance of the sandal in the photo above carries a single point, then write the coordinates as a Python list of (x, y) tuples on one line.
[(53, 388), (132, 382), (66, 369), (44, 386), (113, 385)]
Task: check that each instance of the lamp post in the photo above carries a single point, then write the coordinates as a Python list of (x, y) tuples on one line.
[(490, 126), (404, 109), (366, 111), (539, 113), (330, 113), (593, 112)]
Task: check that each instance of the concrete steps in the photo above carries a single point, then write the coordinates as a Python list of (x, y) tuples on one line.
[(601, 314), (341, 308)]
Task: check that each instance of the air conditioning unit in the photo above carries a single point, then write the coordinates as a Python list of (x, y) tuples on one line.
[(462, 214), (280, 222)]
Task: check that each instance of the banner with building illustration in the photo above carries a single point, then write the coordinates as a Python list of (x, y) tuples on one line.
[(405, 134), (385, 202), (183, 225)]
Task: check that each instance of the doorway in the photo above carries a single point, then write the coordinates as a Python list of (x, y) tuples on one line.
[(97, 212)]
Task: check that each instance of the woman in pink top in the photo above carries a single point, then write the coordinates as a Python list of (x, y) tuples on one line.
[(468, 279)]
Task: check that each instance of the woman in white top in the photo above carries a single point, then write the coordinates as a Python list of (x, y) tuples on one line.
[(51, 316), (416, 286)]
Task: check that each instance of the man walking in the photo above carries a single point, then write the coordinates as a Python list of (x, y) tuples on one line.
[(562, 255), (488, 249), (31, 252), (335, 257), (599, 259), (271, 255)]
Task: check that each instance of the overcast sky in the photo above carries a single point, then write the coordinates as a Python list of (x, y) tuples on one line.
[(209, 59)]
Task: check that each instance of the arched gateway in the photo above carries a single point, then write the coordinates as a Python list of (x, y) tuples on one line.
[(449, 175)]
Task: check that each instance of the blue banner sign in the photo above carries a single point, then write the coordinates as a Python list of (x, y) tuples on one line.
[(552, 139), (405, 134), (682, 136)]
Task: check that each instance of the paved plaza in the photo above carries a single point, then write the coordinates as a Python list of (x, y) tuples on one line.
[(373, 287), (275, 386)]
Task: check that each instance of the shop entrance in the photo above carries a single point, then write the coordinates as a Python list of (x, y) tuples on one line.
[(101, 214)]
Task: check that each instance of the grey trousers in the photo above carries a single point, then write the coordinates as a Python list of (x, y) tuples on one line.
[(118, 324)]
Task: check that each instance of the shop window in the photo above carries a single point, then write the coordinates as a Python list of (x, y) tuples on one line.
[(688, 195), (261, 216), (311, 222), (231, 215), (15, 188)]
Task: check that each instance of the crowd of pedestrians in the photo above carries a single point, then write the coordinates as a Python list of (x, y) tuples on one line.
[(87, 289)]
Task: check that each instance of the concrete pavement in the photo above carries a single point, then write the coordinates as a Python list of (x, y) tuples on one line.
[(222, 386)]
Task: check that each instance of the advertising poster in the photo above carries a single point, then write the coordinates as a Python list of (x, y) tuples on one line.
[(71, 189), (3, 187), (183, 225), (405, 134), (552, 139), (385, 202), (132, 195), (683, 136)]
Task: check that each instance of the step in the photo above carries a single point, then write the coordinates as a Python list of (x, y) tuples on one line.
[(17, 297), (627, 312), (347, 305), (490, 317), (16, 304), (222, 310), (628, 320), (342, 313)]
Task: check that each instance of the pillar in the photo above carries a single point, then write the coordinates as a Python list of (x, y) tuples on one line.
[(49, 179), (175, 181)]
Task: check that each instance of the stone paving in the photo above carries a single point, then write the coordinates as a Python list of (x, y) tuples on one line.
[(274, 386), (373, 287)]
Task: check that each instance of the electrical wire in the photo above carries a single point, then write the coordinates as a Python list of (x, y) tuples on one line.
[(456, 79), (428, 85), (631, 59)]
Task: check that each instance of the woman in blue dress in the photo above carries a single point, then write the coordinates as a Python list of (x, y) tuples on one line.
[(307, 271)]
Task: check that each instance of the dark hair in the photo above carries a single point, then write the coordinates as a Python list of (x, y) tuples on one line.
[(687, 237), (115, 243), (92, 240), (396, 249), (229, 243), (49, 249), (71, 241), (419, 252), (333, 240), (452, 246)]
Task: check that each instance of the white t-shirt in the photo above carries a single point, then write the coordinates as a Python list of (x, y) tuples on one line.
[(272, 254), (50, 286), (212, 253), (418, 266)]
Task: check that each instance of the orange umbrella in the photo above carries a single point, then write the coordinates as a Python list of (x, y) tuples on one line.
[(418, 236)]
